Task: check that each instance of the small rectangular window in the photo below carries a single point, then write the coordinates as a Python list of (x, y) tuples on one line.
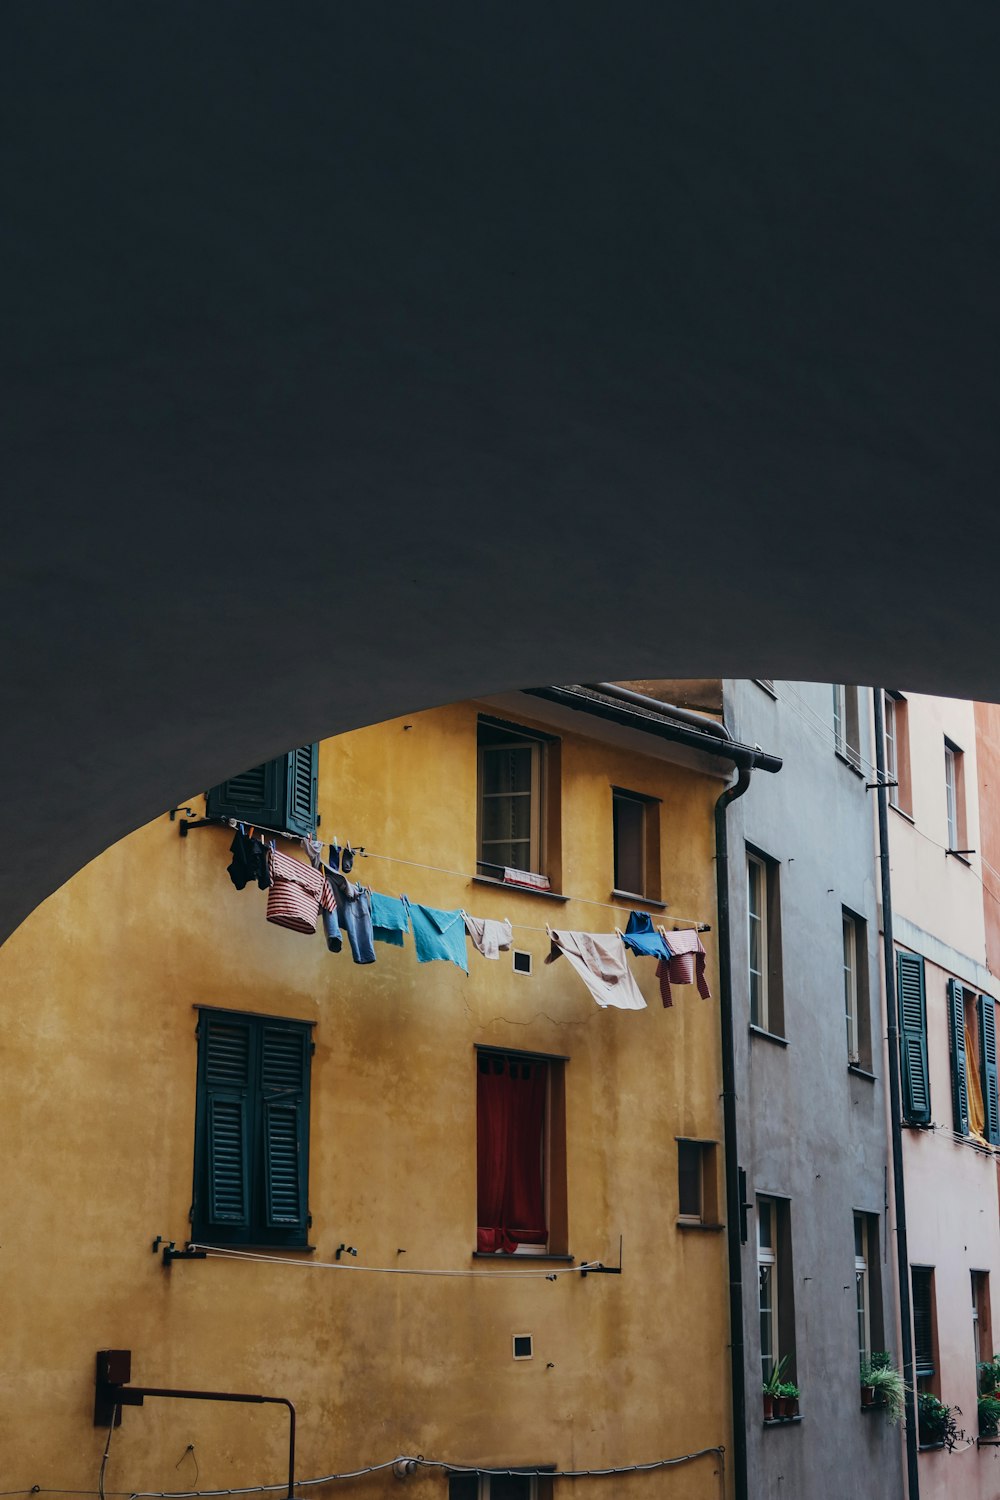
[(982, 1324), (924, 1328), (856, 993), (635, 825), (485, 1486), (897, 751), (697, 1191), (862, 1289), (846, 722), (776, 1290), (764, 944), (510, 800), (521, 1153), (954, 791)]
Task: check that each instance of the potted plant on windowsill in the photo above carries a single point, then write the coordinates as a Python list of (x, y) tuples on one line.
[(883, 1385), (989, 1416), (773, 1400), (790, 1399), (936, 1423)]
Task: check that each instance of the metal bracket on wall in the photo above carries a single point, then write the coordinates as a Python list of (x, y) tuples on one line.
[(600, 1269), (745, 1207), (112, 1392), (171, 1253)]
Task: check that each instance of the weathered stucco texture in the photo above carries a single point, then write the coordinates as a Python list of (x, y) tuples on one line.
[(98, 1118)]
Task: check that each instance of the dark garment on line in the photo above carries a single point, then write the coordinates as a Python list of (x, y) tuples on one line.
[(641, 936), (353, 914), (249, 862)]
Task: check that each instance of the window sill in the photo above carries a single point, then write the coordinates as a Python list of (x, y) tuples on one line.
[(781, 1421), (768, 1036), (699, 1225), (907, 817), (639, 900), (259, 1249), (987, 1442), (518, 890), (929, 1447), (513, 1260), (860, 1072), (850, 764)]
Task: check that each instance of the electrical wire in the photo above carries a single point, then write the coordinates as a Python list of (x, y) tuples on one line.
[(216, 1252), (718, 1452), (107, 1449)]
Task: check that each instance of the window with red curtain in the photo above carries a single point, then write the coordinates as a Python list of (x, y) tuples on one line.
[(510, 1131)]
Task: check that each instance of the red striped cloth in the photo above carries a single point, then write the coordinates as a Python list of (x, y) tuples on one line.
[(296, 894)]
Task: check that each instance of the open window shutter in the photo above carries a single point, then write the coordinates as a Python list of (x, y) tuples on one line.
[(913, 1038), (956, 1047), (254, 796), (284, 1103), (302, 773), (988, 1056), (226, 1082), (923, 1321)]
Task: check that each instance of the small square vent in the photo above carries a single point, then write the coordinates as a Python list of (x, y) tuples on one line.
[(522, 1346), (522, 962)]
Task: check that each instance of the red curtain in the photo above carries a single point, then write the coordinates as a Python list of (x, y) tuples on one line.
[(510, 1125)]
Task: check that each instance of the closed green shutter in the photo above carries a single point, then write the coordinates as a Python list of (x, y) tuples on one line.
[(303, 766), (922, 1296), (280, 795), (956, 1049), (227, 1046), (284, 1069), (988, 1056), (913, 1038)]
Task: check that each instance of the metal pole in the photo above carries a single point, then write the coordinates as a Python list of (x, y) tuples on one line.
[(895, 1113)]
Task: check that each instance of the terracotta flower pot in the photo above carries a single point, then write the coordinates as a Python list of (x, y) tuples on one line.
[(791, 1406), (768, 1408), (867, 1395), (781, 1407)]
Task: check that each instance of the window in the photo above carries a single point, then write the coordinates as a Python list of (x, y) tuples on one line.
[(512, 1486), (636, 822), (512, 771), (912, 998), (281, 794), (764, 944), (856, 1008), (897, 751), (954, 791), (521, 1153), (924, 1328), (862, 1289), (982, 1329), (251, 1155), (846, 723), (972, 1051), (776, 1285), (697, 1189)]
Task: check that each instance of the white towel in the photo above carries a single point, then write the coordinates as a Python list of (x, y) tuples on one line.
[(601, 962), (488, 935)]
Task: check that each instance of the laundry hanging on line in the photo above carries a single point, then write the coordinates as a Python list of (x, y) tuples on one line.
[(489, 937), (601, 962), (438, 935), (297, 893), (686, 964), (249, 860), (390, 919), (351, 909)]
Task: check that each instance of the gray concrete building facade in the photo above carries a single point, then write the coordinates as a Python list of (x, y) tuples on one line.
[(818, 1259)]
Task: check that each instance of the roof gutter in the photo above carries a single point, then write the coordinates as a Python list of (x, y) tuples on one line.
[(643, 700), (666, 727)]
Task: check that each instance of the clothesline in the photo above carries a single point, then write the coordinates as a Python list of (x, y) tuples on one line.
[(361, 852), (218, 1252)]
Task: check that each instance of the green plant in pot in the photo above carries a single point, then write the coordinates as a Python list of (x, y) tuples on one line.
[(936, 1422), (790, 1396), (989, 1415), (989, 1377), (772, 1390), (886, 1386)]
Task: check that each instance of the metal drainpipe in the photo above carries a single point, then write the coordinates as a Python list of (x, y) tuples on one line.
[(643, 700), (892, 1036), (734, 1206)]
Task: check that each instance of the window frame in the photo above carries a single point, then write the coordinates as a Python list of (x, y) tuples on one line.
[(519, 739), (539, 1484), (648, 888), (862, 1260), (707, 1215), (926, 1372), (951, 753), (767, 1261), (553, 1151), (757, 876), (850, 970)]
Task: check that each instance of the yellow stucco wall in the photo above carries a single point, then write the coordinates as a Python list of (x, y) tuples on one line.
[(97, 1110)]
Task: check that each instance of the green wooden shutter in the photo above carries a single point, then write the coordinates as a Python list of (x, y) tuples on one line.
[(922, 1297), (226, 1075), (956, 1049), (988, 1066), (913, 1038), (302, 773), (285, 1132), (255, 796)]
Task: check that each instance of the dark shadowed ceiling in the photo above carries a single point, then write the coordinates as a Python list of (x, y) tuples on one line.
[(363, 356)]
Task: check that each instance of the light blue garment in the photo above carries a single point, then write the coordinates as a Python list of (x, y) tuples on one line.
[(439, 934), (389, 919)]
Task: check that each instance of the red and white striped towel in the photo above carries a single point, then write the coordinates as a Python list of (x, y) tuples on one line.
[(297, 893)]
